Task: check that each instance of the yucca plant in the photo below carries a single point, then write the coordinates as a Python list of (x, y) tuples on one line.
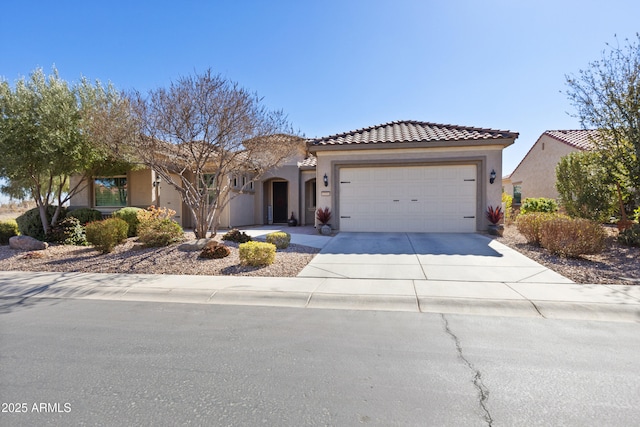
[(323, 215)]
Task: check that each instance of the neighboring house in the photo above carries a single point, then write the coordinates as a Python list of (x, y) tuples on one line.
[(406, 176), (535, 176)]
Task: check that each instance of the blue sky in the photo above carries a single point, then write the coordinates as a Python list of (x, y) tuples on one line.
[(334, 66)]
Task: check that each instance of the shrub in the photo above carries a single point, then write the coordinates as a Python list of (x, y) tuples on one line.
[(85, 215), (280, 239), (235, 235), (130, 216), (29, 223), (636, 214), (630, 236), (152, 213), (257, 253), (529, 225), (323, 215), (106, 234), (159, 232), (571, 238), (8, 229), (215, 250), (507, 200), (69, 231), (540, 204)]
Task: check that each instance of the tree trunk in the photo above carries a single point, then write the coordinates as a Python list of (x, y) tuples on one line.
[(623, 214)]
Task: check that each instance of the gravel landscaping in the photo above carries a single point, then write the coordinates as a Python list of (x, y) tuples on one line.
[(618, 264), (132, 257)]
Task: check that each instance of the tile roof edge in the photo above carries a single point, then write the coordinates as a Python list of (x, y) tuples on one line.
[(415, 122)]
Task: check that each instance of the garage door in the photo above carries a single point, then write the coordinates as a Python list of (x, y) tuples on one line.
[(409, 199)]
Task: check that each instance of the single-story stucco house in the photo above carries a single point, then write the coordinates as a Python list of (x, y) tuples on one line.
[(535, 175), (404, 176)]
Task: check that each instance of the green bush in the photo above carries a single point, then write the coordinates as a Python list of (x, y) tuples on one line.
[(160, 232), (69, 231), (572, 237), (215, 250), (636, 214), (257, 253), (235, 235), (540, 204), (529, 225), (630, 236), (8, 229), (29, 223), (130, 215), (507, 201), (85, 215), (106, 234), (279, 238)]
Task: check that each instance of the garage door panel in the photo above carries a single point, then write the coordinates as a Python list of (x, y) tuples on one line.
[(412, 199)]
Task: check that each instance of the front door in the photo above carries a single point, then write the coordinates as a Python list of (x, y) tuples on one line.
[(280, 205)]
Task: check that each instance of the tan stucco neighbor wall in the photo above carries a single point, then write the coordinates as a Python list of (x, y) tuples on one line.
[(536, 173), (486, 157)]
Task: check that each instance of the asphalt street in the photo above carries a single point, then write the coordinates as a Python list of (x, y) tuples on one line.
[(81, 362)]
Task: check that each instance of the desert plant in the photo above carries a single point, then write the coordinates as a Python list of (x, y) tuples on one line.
[(8, 229), (507, 201), (85, 215), (69, 231), (235, 235), (130, 215), (539, 204), (572, 237), (323, 215), (280, 239), (257, 253), (529, 225), (630, 236), (214, 250), (494, 215), (160, 232), (106, 234), (30, 224)]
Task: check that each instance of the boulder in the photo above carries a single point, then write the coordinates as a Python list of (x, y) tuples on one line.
[(194, 245), (26, 243)]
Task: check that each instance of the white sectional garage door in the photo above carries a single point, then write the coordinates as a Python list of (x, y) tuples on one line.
[(408, 199)]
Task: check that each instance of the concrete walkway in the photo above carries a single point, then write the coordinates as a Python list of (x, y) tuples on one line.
[(430, 274)]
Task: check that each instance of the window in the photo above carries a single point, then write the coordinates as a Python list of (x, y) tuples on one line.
[(210, 180), (110, 191), (517, 194)]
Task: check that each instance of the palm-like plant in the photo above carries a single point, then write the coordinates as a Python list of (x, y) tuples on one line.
[(495, 215)]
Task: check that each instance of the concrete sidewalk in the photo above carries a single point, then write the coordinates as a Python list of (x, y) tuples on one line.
[(547, 300)]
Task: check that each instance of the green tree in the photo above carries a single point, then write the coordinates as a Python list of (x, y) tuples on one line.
[(606, 96), (584, 186), (45, 138)]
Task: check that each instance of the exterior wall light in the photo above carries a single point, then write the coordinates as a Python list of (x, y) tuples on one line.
[(325, 179), (492, 176)]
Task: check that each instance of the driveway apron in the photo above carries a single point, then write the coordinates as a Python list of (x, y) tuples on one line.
[(426, 256)]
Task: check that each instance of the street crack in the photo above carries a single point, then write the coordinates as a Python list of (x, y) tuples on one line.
[(483, 391)]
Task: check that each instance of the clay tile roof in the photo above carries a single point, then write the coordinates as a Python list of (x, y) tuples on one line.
[(309, 162), (581, 139), (412, 131)]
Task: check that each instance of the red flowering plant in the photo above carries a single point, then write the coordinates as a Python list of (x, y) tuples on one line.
[(495, 215)]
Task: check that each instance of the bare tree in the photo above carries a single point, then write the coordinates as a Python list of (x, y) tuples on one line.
[(200, 131)]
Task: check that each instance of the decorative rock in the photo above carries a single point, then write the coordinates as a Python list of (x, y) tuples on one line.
[(26, 243), (194, 245)]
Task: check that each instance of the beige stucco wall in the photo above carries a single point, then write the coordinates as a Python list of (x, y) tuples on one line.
[(83, 198), (140, 190), (486, 157), (536, 173)]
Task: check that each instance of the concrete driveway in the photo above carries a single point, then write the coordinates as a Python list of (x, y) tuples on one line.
[(426, 256)]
